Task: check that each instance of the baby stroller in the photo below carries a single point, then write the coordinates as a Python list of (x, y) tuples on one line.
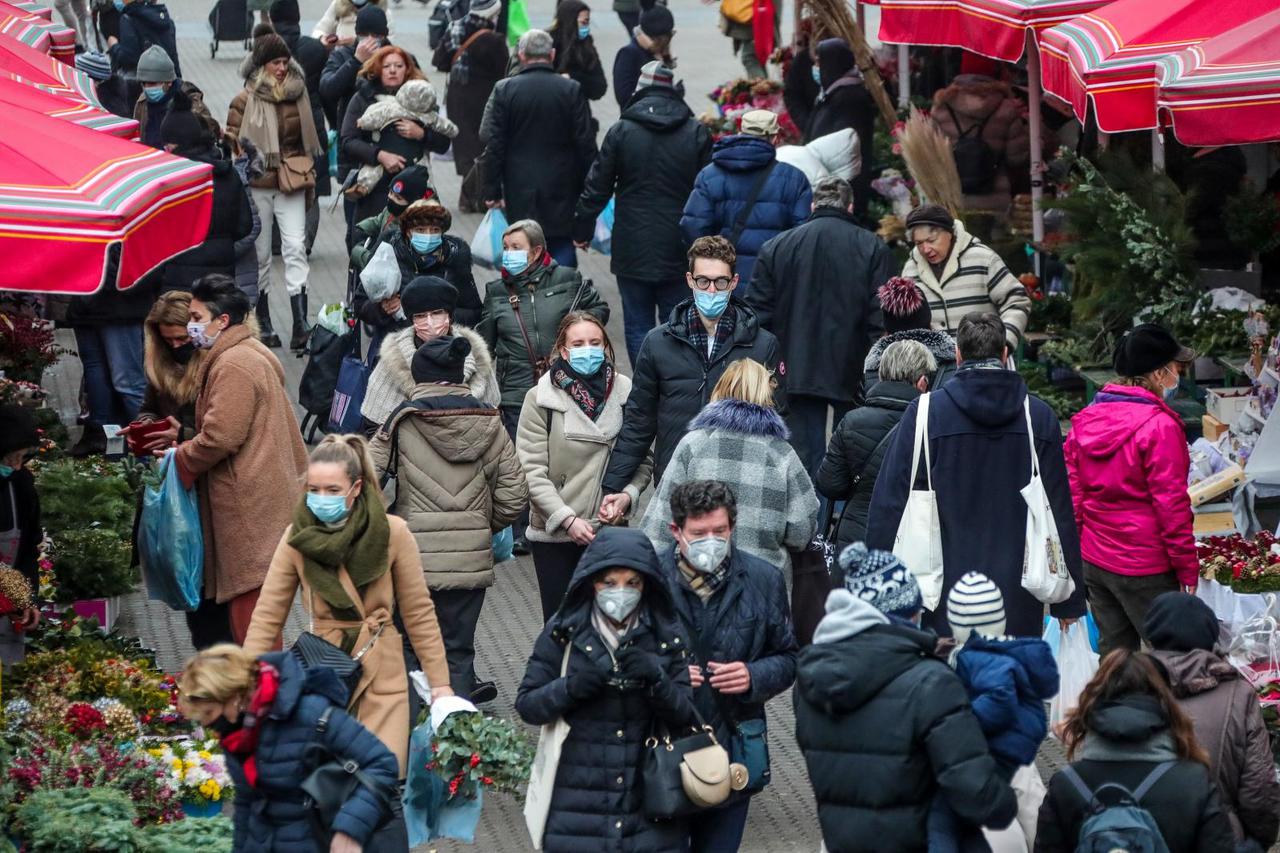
[(229, 20)]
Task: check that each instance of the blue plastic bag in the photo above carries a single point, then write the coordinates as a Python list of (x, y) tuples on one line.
[(504, 545), (1091, 627), (602, 239), (486, 245), (429, 813), (170, 541)]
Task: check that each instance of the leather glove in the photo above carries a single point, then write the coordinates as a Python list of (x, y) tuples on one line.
[(640, 666), (585, 682)]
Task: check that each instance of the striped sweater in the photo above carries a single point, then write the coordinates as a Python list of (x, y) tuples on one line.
[(974, 278)]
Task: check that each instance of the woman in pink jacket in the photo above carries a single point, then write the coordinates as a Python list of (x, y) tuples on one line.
[(1127, 460)]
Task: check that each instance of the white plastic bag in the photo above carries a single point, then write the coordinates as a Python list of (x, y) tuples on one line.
[(333, 316), (542, 776), (918, 543), (1077, 663), (1044, 566), (381, 276), (486, 246)]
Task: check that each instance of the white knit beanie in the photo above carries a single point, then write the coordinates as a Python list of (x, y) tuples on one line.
[(975, 605)]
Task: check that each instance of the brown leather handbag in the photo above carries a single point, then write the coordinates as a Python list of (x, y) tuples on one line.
[(296, 173)]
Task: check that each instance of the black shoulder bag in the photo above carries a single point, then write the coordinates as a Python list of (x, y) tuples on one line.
[(740, 222), (332, 783)]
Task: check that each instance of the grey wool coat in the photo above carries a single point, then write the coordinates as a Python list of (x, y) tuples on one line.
[(746, 447)]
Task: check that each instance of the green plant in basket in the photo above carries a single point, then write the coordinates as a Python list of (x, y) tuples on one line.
[(93, 563), (474, 751)]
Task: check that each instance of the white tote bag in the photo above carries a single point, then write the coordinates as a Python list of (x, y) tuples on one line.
[(1077, 664), (1044, 568), (542, 777), (918, 543)]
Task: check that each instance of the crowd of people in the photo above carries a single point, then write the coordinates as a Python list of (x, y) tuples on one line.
[(785, 381)]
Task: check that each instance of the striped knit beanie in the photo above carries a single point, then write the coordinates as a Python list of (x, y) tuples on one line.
[(880, 579), (975, 605), (656, 74), (96, 65)]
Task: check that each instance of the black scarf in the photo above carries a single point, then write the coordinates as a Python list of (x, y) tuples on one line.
[(588, 392)]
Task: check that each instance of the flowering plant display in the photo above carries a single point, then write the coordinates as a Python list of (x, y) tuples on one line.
[(83, 673), (15, 592), (27, 346), (197, 768), (473, 751), (737, 97), (1247, 566)]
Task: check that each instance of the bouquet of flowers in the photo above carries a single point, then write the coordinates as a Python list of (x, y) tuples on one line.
[(15, 593), (197, 769), (738, 97), (1247, 566), (472, 751)]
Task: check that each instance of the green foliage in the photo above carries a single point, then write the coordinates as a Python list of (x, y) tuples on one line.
[(1051, 313), (472, 750), (1064, 403), (193, 835), (93, 563), (1253, 220), (75, 495), (78, 820)]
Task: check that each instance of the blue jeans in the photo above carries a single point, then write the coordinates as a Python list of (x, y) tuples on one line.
[(719, 830), (114, 379), (562, 249), (640, 299)]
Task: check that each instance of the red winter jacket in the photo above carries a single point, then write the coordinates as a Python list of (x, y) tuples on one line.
[(1127, 460)]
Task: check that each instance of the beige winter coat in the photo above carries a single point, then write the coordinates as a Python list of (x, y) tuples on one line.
[(250, 459), (391, 382), (564, 455), (381, 700), (459, 482)]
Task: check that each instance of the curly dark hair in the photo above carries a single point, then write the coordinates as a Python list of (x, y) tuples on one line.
[(715, 248), (699, 497), (426, 214)]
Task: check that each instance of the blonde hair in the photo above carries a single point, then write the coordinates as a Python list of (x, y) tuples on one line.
[(351, 452), (747, 380), (217, 674), (170, 378)]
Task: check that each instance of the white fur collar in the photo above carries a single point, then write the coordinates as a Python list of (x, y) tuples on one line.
[(578, 426)]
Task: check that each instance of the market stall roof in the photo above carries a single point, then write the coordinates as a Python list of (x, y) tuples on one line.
[(68, 108), (37, 31), (994, 28), (68, 194), (28, 65), (1110, 55), (1226, 90)]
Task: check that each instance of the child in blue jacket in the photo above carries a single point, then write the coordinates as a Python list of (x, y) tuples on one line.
[(1008, 680)]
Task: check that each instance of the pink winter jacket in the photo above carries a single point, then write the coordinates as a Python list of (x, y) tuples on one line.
[(1127, 461)]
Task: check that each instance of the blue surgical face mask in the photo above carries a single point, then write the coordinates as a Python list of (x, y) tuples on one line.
[(583, 32), (711, 304), (118, 4), (154, 94), (425, 243), (1170, 393), (328, 509), (817, 75), (6, 471), (515, 261), (618, 602), (585, 361)]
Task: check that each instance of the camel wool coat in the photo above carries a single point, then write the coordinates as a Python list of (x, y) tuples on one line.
[(381, 699), (248, 458)]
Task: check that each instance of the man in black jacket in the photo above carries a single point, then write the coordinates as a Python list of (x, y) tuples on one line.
[(815, 288), (338, 79), (680, 362), (538, 145), (142, 24), (649, 161), (885, 727)]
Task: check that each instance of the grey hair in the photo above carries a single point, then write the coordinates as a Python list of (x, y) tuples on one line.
[(536, 44), (906, 361), (529, 228), (832, 191), (929, 232)]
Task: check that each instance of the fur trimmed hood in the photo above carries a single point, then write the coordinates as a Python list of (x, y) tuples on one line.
[(740, 416), (392, 380), (940, 344)]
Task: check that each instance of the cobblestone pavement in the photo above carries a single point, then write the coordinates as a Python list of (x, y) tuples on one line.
[(782, 818)]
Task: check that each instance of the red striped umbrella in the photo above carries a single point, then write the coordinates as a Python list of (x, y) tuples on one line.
[(16, 94), (994, 28), (1110, 55), (1225, 91), (67, 194), (28, 65), (33, 29)]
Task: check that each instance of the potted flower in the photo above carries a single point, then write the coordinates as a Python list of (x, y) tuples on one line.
[(199, 772)]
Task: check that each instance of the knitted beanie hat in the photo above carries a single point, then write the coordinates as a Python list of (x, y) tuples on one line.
[(372, 21), (441, 359), (285, 12), (182, 128), (428, 293), (17, 429), (657, 22), (155, 66), (904, 305), (96, 65), (269, 48), (487, 9), (975, 605), (931, 214), (656, 74), (880, 579)]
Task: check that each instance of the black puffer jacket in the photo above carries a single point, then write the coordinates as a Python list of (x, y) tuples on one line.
[(885, 727), (1127, 739), (648, 161), (597, 804), (941, 345), (452, 262), (143, 24), (849, 470), (232, 220), (671, 384), (815, 288), (539, 144)]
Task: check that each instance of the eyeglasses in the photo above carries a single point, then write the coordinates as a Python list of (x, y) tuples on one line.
[(701, 282)]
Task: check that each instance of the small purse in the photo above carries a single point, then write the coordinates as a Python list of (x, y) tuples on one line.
[(688, 774), (296, 173), (315, 652)]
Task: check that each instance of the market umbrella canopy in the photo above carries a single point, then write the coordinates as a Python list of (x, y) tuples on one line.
[(37, 31), (28, 65), (16, 94), (1225, 91), (69, 194), (1109, 55), (994, 28)]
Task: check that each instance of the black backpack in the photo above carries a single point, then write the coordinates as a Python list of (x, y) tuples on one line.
[(976, 161)]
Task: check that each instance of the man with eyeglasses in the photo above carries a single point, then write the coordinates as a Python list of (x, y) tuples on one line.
[(680, 363), (961, 275)]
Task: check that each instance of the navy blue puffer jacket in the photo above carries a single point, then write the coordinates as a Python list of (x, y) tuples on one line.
[(723, 188), (598, 802), (270, 817), (1008, 682)]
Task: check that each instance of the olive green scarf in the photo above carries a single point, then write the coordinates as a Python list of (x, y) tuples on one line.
[(360, 546)]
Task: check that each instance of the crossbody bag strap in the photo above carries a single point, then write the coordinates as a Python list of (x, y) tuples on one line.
[(513, 299), (740, 223), (471, 39)]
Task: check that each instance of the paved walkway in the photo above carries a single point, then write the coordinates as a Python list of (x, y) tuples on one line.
[(782, 818)]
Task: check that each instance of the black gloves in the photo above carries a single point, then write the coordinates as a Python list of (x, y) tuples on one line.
[(585, 682), (640, 666)]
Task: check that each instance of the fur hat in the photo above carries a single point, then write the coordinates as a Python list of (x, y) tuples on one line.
[(423, 214), (903, 305), (269, 48), (155, 66), (441, 359), (428, 293), (975, 605), (880, 579)]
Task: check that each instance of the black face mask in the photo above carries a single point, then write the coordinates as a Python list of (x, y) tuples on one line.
[(182, 354), (395, 208), (222, 726)]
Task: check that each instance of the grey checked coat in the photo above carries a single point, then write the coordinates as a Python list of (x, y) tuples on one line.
[(744, 446)]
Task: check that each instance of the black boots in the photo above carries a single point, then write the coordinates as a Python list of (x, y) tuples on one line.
[(298, 305), (266, 334)]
